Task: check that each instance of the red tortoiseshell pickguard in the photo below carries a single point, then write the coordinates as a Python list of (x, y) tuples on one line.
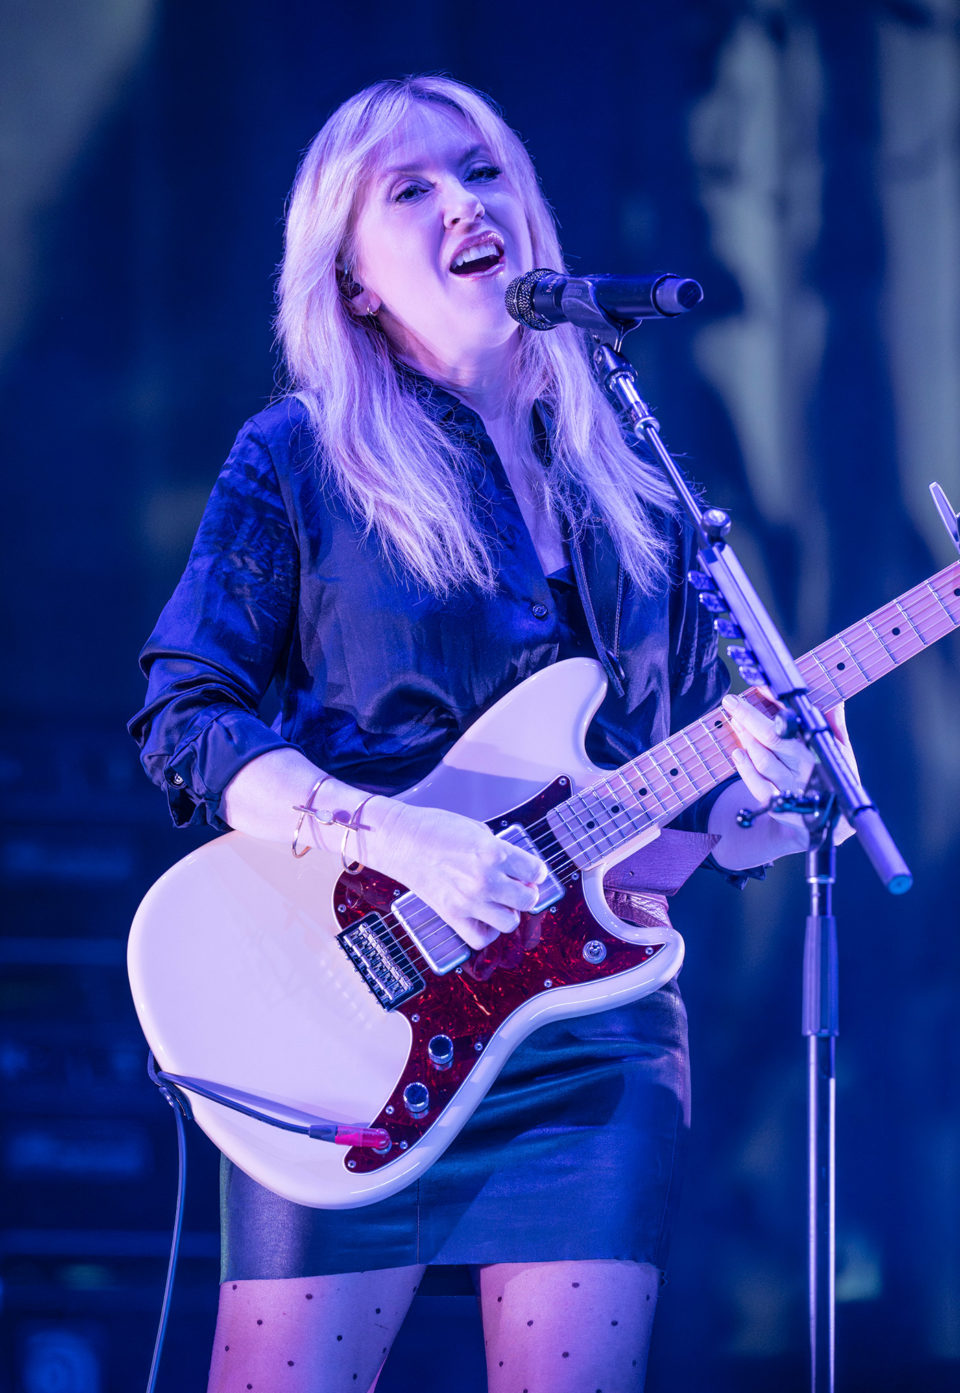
[(470, 1003)]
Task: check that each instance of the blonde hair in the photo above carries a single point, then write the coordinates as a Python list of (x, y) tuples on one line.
[(377, 445)]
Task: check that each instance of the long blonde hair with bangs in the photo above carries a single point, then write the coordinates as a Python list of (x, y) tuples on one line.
[(377, 445)]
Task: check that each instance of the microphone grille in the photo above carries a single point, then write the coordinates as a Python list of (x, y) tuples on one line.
[(518, 299)]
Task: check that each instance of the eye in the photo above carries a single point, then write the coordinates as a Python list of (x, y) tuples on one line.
[(483, 173), (407, 193)]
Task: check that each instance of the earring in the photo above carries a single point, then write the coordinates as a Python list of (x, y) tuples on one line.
[(350, 289)]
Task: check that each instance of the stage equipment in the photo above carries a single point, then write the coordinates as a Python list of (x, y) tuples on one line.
[(542, 299), (762, 657)]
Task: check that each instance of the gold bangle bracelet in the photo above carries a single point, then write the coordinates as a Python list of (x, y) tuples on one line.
[(308, 810), (354, 825)]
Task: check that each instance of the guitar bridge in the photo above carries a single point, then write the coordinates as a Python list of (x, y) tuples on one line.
[(382, 961)]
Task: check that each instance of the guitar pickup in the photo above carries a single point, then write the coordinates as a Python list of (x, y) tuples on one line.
[(440, 945), (550, 890)]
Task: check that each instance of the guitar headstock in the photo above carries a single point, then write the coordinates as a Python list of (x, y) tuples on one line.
[(950, 519)]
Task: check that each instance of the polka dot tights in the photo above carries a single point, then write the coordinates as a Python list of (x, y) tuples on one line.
[(558, 1327), (568, 1327), (309, 1334)]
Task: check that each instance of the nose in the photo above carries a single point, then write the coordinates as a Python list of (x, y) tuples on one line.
[(461, 204)]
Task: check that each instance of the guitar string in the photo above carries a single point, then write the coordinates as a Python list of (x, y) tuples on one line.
[(860, 642), (927, 600), (865, 651), (864, 648), (852, 645), (932, 606), (424, 931)]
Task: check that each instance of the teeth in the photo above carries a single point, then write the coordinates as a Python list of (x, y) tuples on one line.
[(477, 253)]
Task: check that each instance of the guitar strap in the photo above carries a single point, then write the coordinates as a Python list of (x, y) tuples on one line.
[(663, 865), (637, 888), (609, 657)]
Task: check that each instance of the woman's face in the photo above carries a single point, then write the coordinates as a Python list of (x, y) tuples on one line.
[(439, 234)]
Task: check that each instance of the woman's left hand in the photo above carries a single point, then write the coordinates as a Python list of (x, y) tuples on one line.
[(768, 764)]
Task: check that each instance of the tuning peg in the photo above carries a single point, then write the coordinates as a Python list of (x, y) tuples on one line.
[(728, 628), (746, 661), (700, 580), (712, 601)]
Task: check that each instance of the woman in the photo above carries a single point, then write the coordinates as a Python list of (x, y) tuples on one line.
[(392, 545)]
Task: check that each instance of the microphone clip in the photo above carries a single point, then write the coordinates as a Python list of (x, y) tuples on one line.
[(581, 307)]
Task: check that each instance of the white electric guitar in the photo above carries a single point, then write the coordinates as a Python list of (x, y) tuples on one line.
[(343, 1009)]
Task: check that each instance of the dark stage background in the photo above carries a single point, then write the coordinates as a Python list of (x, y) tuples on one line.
[(801, 160)]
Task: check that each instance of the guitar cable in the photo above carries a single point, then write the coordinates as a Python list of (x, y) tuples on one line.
[(181, 1111), (267, 1110)]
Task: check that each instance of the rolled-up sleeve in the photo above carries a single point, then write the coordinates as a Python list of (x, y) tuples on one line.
[(220, 640)]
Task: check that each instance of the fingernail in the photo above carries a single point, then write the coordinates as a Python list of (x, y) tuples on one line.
[(729, 702)]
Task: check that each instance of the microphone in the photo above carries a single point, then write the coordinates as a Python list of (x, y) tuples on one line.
[(542, 299)]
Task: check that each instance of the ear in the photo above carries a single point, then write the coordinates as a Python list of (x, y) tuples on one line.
[(360, 302), (349, 288)]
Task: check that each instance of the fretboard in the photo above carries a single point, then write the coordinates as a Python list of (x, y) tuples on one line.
[(657, 785)]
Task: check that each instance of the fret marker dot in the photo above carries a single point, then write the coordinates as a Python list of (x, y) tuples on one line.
[(956, 590), (896, 631), (841, 666), (643, 793), (674, 773), (591, 824), (615, 808)]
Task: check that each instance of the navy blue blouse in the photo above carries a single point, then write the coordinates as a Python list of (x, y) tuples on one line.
[(376, 677)]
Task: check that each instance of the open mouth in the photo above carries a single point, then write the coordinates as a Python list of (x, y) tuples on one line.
[(474, 260)]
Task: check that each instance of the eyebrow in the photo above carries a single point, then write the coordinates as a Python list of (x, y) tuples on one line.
[(415, 168)]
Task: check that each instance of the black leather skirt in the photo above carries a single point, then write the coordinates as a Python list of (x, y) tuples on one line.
[(575, 1153)]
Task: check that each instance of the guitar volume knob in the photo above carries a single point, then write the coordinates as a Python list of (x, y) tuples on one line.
[(416, 1099), (440, 1051)]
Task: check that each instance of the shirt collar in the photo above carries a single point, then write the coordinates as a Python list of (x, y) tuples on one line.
[(448, 409), (441, 405)]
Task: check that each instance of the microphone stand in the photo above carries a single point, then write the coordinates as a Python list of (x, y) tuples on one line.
[(763, 657)]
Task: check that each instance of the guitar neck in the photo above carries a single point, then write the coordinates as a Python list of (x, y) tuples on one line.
[(656, 786)]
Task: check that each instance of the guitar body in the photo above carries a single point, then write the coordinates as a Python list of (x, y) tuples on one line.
[(326, 992), (239, 978)]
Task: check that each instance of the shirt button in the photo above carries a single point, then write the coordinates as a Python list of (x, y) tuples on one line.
[(176, 779), (539, 611)]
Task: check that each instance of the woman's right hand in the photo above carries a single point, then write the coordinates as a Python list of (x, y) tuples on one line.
[(478, 883)]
